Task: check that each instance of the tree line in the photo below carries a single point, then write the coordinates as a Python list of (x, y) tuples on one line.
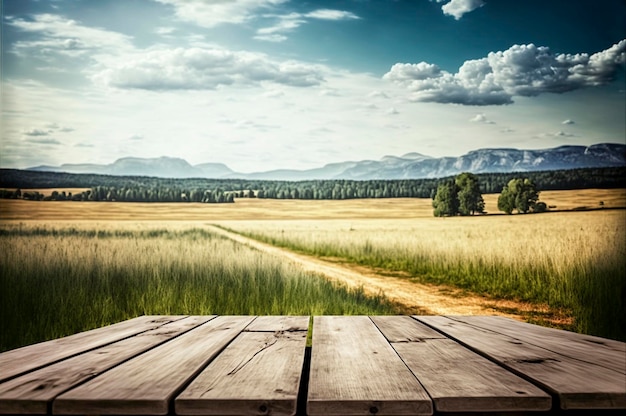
[(153, 189), (128, 194)]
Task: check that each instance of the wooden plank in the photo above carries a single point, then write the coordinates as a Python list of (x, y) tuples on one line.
[(279, 323), (577, 384), (22, 360), (33, 392), (600, 351), (404, 329), (147, 383), (457, 379), (258, 373), (354, 371)]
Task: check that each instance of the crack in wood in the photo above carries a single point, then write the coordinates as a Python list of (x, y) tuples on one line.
[(246, 362)]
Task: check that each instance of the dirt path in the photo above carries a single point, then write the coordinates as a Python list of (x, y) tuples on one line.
[(414, 298)]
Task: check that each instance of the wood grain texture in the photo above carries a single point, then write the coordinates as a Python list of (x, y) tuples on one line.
[(258, 373), (459, 380), (354, 371), (22, 360), (404, 329), (604, 352), (279, 323), (33, 392), (578, 384), (147, 383)]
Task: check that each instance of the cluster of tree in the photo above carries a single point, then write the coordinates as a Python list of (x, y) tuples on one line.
[(157, 194), (172, 190), (521, 195), (128, 194), (461, 196)]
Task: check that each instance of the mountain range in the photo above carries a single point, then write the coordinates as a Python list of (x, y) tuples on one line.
[(408, 166)]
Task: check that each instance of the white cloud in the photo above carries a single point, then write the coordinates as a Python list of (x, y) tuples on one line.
[(458, 8), (481, 118), (328, 14), (289, 22), (377, 94), (271, 38), (65, 36), (568, 121), (521, 70), (392, 111), (213, 13), (205, 68), (329, 92), (165, 30), (276, 33), (136, 137)]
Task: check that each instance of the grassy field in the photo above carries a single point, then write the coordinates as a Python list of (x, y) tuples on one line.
[(61, 279), (70, 266), (272, 209), (573, 261)]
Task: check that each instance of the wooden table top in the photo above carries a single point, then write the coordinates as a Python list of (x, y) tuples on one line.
[(357, 365)]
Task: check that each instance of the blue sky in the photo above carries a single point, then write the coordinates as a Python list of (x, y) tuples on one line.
[(269, 84)]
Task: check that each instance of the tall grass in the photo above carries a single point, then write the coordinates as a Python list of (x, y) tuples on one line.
[(574, 262), (56, 281)]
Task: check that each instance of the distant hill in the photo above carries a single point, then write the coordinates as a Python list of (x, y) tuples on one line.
[(409, 166)]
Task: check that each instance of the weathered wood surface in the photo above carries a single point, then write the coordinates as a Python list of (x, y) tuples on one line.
[(577, 384), (600, 351), (456, 378), (258, 373), (354, 371), (196, 365), (146, 384), (32, 393), (25, 359)]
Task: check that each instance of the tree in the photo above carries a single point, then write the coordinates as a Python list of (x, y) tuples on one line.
[(470, 198), (446, 202), (519, 194)]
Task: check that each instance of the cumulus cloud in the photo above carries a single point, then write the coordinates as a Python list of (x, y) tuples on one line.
[(481, 118), (136, 137), (205, 68), (521, 70), (392, 111), (568, 121), (457, 8), (213, 13), (289, 22)]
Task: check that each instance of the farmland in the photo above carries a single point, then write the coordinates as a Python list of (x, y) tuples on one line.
[(70, 266)]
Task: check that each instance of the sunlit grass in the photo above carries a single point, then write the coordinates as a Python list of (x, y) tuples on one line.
[(574, 261), (58, 280)]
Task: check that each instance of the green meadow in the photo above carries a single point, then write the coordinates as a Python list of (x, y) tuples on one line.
[(58, 281)]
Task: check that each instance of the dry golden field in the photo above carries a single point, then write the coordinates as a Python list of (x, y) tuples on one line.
[(271, 209)]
